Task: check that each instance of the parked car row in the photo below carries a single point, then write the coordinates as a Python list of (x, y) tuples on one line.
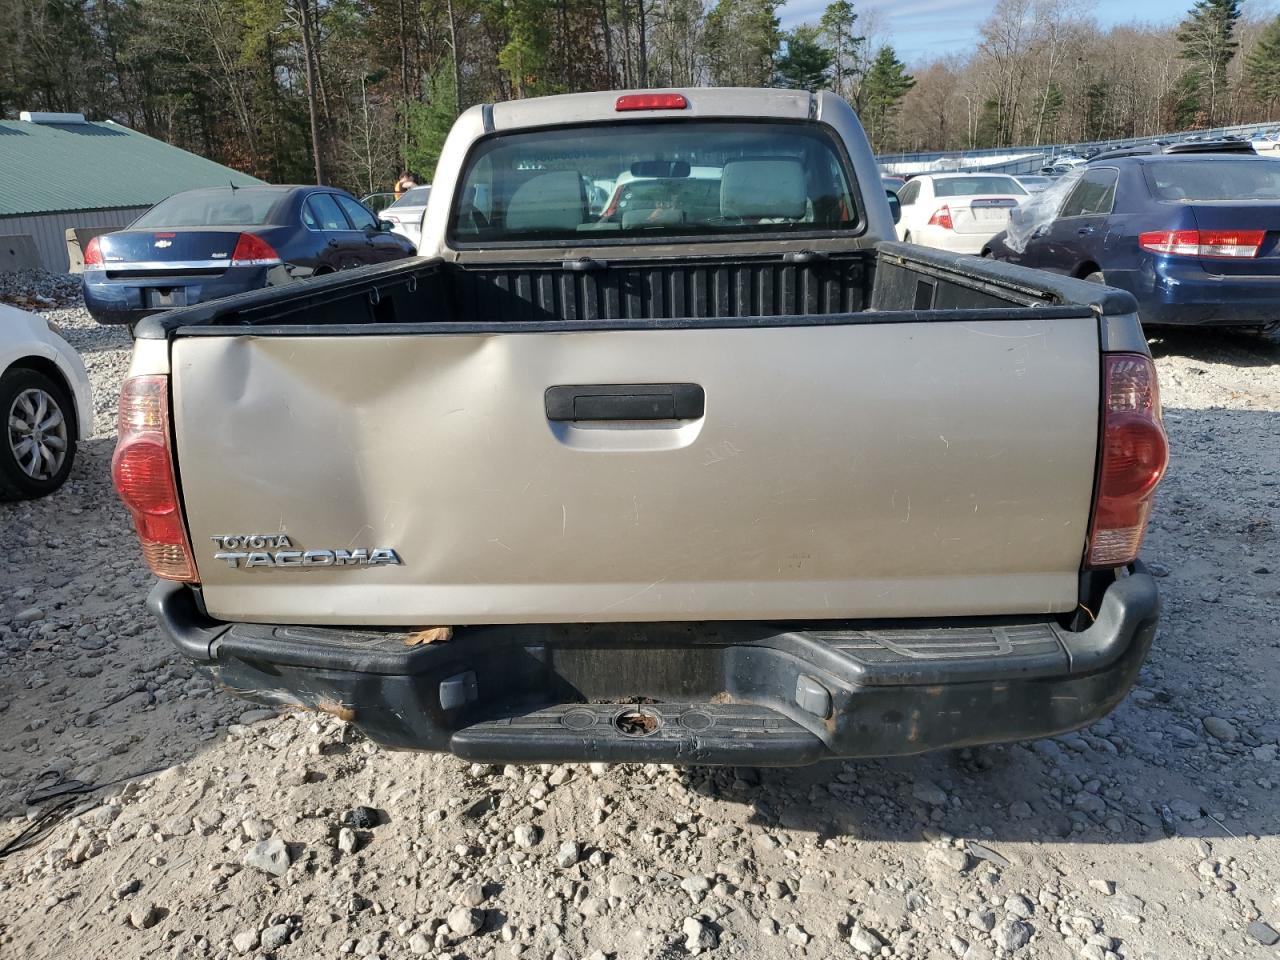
[(1189, 228), (1195, 237)]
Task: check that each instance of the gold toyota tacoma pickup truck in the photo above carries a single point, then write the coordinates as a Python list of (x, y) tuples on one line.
[(687, 460)]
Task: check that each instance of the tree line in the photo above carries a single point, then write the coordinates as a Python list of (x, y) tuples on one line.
[(352, 92), (1043, 72)]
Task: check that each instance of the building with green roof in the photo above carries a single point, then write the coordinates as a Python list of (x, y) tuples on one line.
[(59, 171)]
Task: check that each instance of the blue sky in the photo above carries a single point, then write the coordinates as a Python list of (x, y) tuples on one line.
[(924, 29)]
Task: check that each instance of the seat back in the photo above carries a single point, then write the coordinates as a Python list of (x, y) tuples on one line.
[(548, 201), (757, 189)]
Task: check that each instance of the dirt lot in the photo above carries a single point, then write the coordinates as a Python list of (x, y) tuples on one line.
[(229, 831)]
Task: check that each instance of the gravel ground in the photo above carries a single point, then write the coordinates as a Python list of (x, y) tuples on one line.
[(226, 831)]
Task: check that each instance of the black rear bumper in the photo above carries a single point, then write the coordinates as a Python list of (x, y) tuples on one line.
[(707, 693)]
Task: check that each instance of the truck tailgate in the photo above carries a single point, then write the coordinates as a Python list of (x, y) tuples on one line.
[(842, 470)]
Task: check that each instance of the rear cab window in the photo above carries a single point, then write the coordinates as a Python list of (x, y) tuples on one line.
[(1213, 179), (241, 207), (638, 181), (977, 186), (413, 197)]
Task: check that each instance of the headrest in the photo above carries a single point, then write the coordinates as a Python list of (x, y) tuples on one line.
[(751, 189), (549, 201)]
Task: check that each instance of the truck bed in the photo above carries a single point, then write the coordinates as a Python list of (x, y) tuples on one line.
[(891, 283), (875, 433)]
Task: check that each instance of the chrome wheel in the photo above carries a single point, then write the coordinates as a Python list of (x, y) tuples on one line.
[(37, 433)]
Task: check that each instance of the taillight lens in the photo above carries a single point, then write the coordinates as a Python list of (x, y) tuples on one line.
[(93, 254), (1134, 455), (142, 470), (1221, 244), (942, 218), (651, 101), (253, 251)]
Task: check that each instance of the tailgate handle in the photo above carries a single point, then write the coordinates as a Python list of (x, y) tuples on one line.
[(626, 401)]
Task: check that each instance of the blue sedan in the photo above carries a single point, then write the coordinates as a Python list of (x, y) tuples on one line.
[(203, 244), (1194, 237)]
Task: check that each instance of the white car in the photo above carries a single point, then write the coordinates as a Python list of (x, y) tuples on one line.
[(959, 212), (406, 213), (1267, 144), (46, 402)]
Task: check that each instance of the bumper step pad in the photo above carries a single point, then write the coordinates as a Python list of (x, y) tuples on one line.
[(661, 732)]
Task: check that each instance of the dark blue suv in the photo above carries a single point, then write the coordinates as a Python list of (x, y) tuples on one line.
[(1195, 237)]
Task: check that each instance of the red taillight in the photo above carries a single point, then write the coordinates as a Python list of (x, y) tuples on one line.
[(612, 208), (142, 470), (93, 254), (942, 218), (1134, 455), (253, 251), (1204, 243), (651, 101)]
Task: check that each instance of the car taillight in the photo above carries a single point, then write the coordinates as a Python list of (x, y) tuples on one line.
[(1134, 455), (651, 101), (142, 470), (93, 254), (253, 251), (942, 218), (1204, 243)]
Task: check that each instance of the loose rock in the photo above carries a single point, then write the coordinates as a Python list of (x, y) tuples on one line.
[(269, 856), (699, 935)]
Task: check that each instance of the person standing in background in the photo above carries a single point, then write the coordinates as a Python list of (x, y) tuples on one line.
[(406, 181)]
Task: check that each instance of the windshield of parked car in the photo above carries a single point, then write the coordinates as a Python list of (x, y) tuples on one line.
[(213, 208), (1217, 179), (976, 186), (654, 180), (413, 197)]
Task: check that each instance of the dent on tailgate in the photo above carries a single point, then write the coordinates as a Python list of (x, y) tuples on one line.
[(837, 471)]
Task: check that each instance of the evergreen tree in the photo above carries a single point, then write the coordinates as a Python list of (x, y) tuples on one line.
[(886, 83), (741, 41), (1098, 98), (526, 59), (1186, 108), (806, 65), (838, 26), (429, 125), (1262, 66), (987, 129), (1208, 42)]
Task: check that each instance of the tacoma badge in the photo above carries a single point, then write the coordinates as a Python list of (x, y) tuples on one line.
[(264, 550)]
